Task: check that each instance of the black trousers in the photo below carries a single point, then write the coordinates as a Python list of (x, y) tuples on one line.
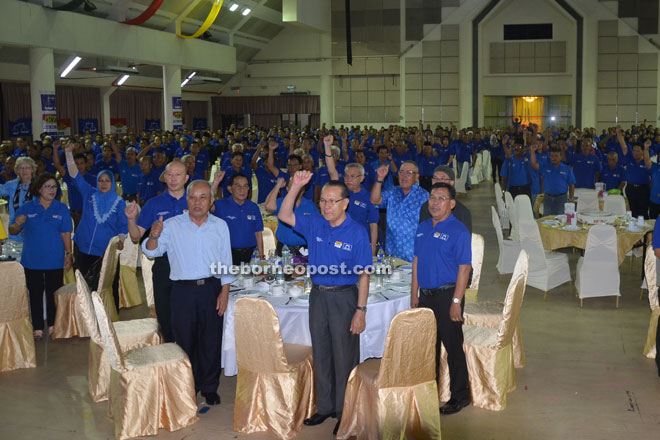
[(197, 329), (496, 164), (654, 210), (657, 346), (523, 189), (239, 256), (426, 182), (336, 351), (38, 282), (160, 275), (638, 198), (84, 263), (450, 334)]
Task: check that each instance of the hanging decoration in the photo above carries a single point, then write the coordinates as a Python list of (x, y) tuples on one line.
[(146, 14), (215, 10)]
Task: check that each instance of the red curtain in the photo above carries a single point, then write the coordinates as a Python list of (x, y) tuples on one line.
[(195, 110), (136, 106)]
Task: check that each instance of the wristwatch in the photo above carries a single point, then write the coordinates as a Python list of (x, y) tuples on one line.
[(456, 300), (363, 308)]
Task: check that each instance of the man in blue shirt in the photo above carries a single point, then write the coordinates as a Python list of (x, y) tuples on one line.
[(441, 268), (337, 306), (236, 167), (516, 171), (427, 162), (557, 178), (613, 175), (129, 171), (195, 244), (638, 175), (586, 166), (149, 184)]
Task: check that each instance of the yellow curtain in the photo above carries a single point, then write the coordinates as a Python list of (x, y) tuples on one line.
[(530, 112)]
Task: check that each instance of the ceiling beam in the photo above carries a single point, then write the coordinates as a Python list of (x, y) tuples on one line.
[(245, 18), (263, 12)]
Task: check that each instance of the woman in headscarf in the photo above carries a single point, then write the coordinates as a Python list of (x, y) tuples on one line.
[(18, 191), (102, 215)]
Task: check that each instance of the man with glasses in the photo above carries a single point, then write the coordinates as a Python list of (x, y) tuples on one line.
[(443, 173), (338, 302), (402, 204)]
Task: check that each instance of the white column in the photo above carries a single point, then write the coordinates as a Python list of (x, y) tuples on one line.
[(42, 79), (105, 108), (209, 114), (171, 87), (327, 89)]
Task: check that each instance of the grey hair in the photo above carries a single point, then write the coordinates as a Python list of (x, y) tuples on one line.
[(194, 183), (357, 166), (25, 160), (336, 148), (233, 147), (411, 162)]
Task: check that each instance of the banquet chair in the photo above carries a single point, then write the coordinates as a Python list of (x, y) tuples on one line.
[(476, 173), (587, 200), (130, 334), (513, 218), (16, 338), (396, 397), (150, 387), (488, 166), (501, 207), (616, 204), (275, 383), (146, 265), (129, 290), (462, 180), (69, 322), (490, 313), (4, 217), (472, 292), (597, 273), (269, 240), (509, 249), (650, 273), (523, 207), (547, 269)]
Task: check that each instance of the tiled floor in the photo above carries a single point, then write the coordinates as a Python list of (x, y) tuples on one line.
[(585, 376)]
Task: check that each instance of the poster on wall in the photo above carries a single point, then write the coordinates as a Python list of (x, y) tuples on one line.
[(48, 113), (199, 124), (118, 125), (177, 112), (64, 127), (151, 124), (20, 127), (85, 125)]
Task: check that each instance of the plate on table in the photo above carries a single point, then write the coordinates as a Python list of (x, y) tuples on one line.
[(571, 228), (302, 300), (249, 293), (399, 286), (550, 222), (633, 229)]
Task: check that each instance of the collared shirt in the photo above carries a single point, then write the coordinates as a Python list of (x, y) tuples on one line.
[(322, 176), (74, 196), (613, 177), (516, 171), (440, 250), (101, 165), (285, 233), (346, 244), (193, 250), (360, 208), (149, 185), (43, 248), (402, 219), (636, 172), (265, 182), (460, 211), (130, 177), (444, 153), (428, 164), (556, 179), (585, 169), (243, 221), (163, 204)]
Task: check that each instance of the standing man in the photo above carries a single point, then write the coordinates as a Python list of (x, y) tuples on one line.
[(515, 170), (338, 303), (558, 179), (195, 242), (441, 268), (170, 203), (586, 166), (638, 175), (444, 173)]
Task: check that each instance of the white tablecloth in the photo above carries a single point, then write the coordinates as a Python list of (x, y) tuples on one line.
[(294, 325)]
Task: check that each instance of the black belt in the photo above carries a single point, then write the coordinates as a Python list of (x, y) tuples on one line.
[(332, 288), (201, 282), (555, 195), (441, 289)]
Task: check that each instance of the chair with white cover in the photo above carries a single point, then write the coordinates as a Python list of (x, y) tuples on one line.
[(509, 249), (513, 218), (150, 387), (16, 338), (587, 200), (130, 334), (501, 207), (523, 207), (146, 265), (547, 269), (487, 167), (650, 273), (69, 322), (269, 240), (129, 291), (476, 172), (616, 204), (461, 181), (275, 383), (396, 397), (472, 292), (490, 313), (597, 273)]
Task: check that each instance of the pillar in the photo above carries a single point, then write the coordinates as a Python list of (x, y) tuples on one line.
[(42, 79), (171, 88), (105, 92)]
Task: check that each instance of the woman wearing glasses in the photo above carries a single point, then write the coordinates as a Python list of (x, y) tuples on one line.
[(18, 190), (45, 223)]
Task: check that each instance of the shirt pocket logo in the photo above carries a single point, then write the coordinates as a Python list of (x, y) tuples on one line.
[(338, 244)]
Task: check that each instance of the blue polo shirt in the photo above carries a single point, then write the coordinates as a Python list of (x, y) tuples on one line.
[(444, 153), (585, 169), (101, 165), (75, 198), (636, 172), (202, 161), (399, 158), (149, 185), (322, 176), (163, 204), (285, 233), (612, 177), (463, 151), (656, 235), (516, 171), (556, 179), (130, 177), (243, 221), (265, 182), (230, 171), (655, 185), (361, 210), (329, 248), (369, 176), (41, 231), (427, 164), (440, 249), (389, 182)]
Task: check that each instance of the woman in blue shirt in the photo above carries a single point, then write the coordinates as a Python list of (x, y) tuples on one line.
[(46, 226), (18, 190)]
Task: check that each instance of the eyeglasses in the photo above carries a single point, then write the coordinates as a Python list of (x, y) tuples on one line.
[(330, 201), (441, 179), (352, 176), (49, 186), (441, 198), (408, 172)]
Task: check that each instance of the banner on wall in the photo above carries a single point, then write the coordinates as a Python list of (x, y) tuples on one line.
[(199, 124), (152, 124), (48, 113), (64, 127), (20, 127), (118, 125), (91, 125), (177, 112)]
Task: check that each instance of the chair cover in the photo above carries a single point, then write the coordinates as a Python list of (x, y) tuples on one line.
[(597, 273), (16, 338), (4, 217), (513, 218), (476, 173), (650, 273), (472, 292), (69, 321), (396, 397), (462, 180), (129, 290), (130, 334), (509, 249), (501, 207), (489, 313), (587, 200), (269, 240), (275, 383), (146, 264), (487, 167), (615, 204), (547, 270), (150, 387), (523, 207)]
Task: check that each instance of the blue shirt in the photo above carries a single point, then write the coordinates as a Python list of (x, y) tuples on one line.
[(193, 250), (130, 177), (636, 172), (389, 182), (285, 233), (346, 244), (265, 182), (444, 153), (322, 176), (655, 185), (9, 190), (463, 151), (440, 250), (101, 165), (149, 185), (163, 204), (74, 196), (556, 179), (402, 219), (516, 171), (360, 208), (243, 221), (43, 248), (428, 164), (585, 169), (230, 171), (656, 235), (612, 177)]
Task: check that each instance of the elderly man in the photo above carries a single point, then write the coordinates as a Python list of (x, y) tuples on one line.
[(443, 173), (195, 242), (440, 274), (402, 204), (338, 303)]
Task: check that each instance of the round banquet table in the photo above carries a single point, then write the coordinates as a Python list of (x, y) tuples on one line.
[(294, 324), (539, 202), (554, 237)]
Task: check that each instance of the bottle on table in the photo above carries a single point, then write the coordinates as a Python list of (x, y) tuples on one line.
[(286, 256)]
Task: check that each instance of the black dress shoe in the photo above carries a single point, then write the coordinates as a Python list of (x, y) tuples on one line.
[(454, 406), (334, 431), (212, 398), (317, 419)]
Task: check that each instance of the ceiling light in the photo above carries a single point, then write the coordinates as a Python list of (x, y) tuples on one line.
[(233, 7), (123, 80), (191, 75), (70, 67), (185, 81), (246, 11), (552, 118)]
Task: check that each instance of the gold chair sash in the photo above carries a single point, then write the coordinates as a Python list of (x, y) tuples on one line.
[(16, 339), (107, 277)]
